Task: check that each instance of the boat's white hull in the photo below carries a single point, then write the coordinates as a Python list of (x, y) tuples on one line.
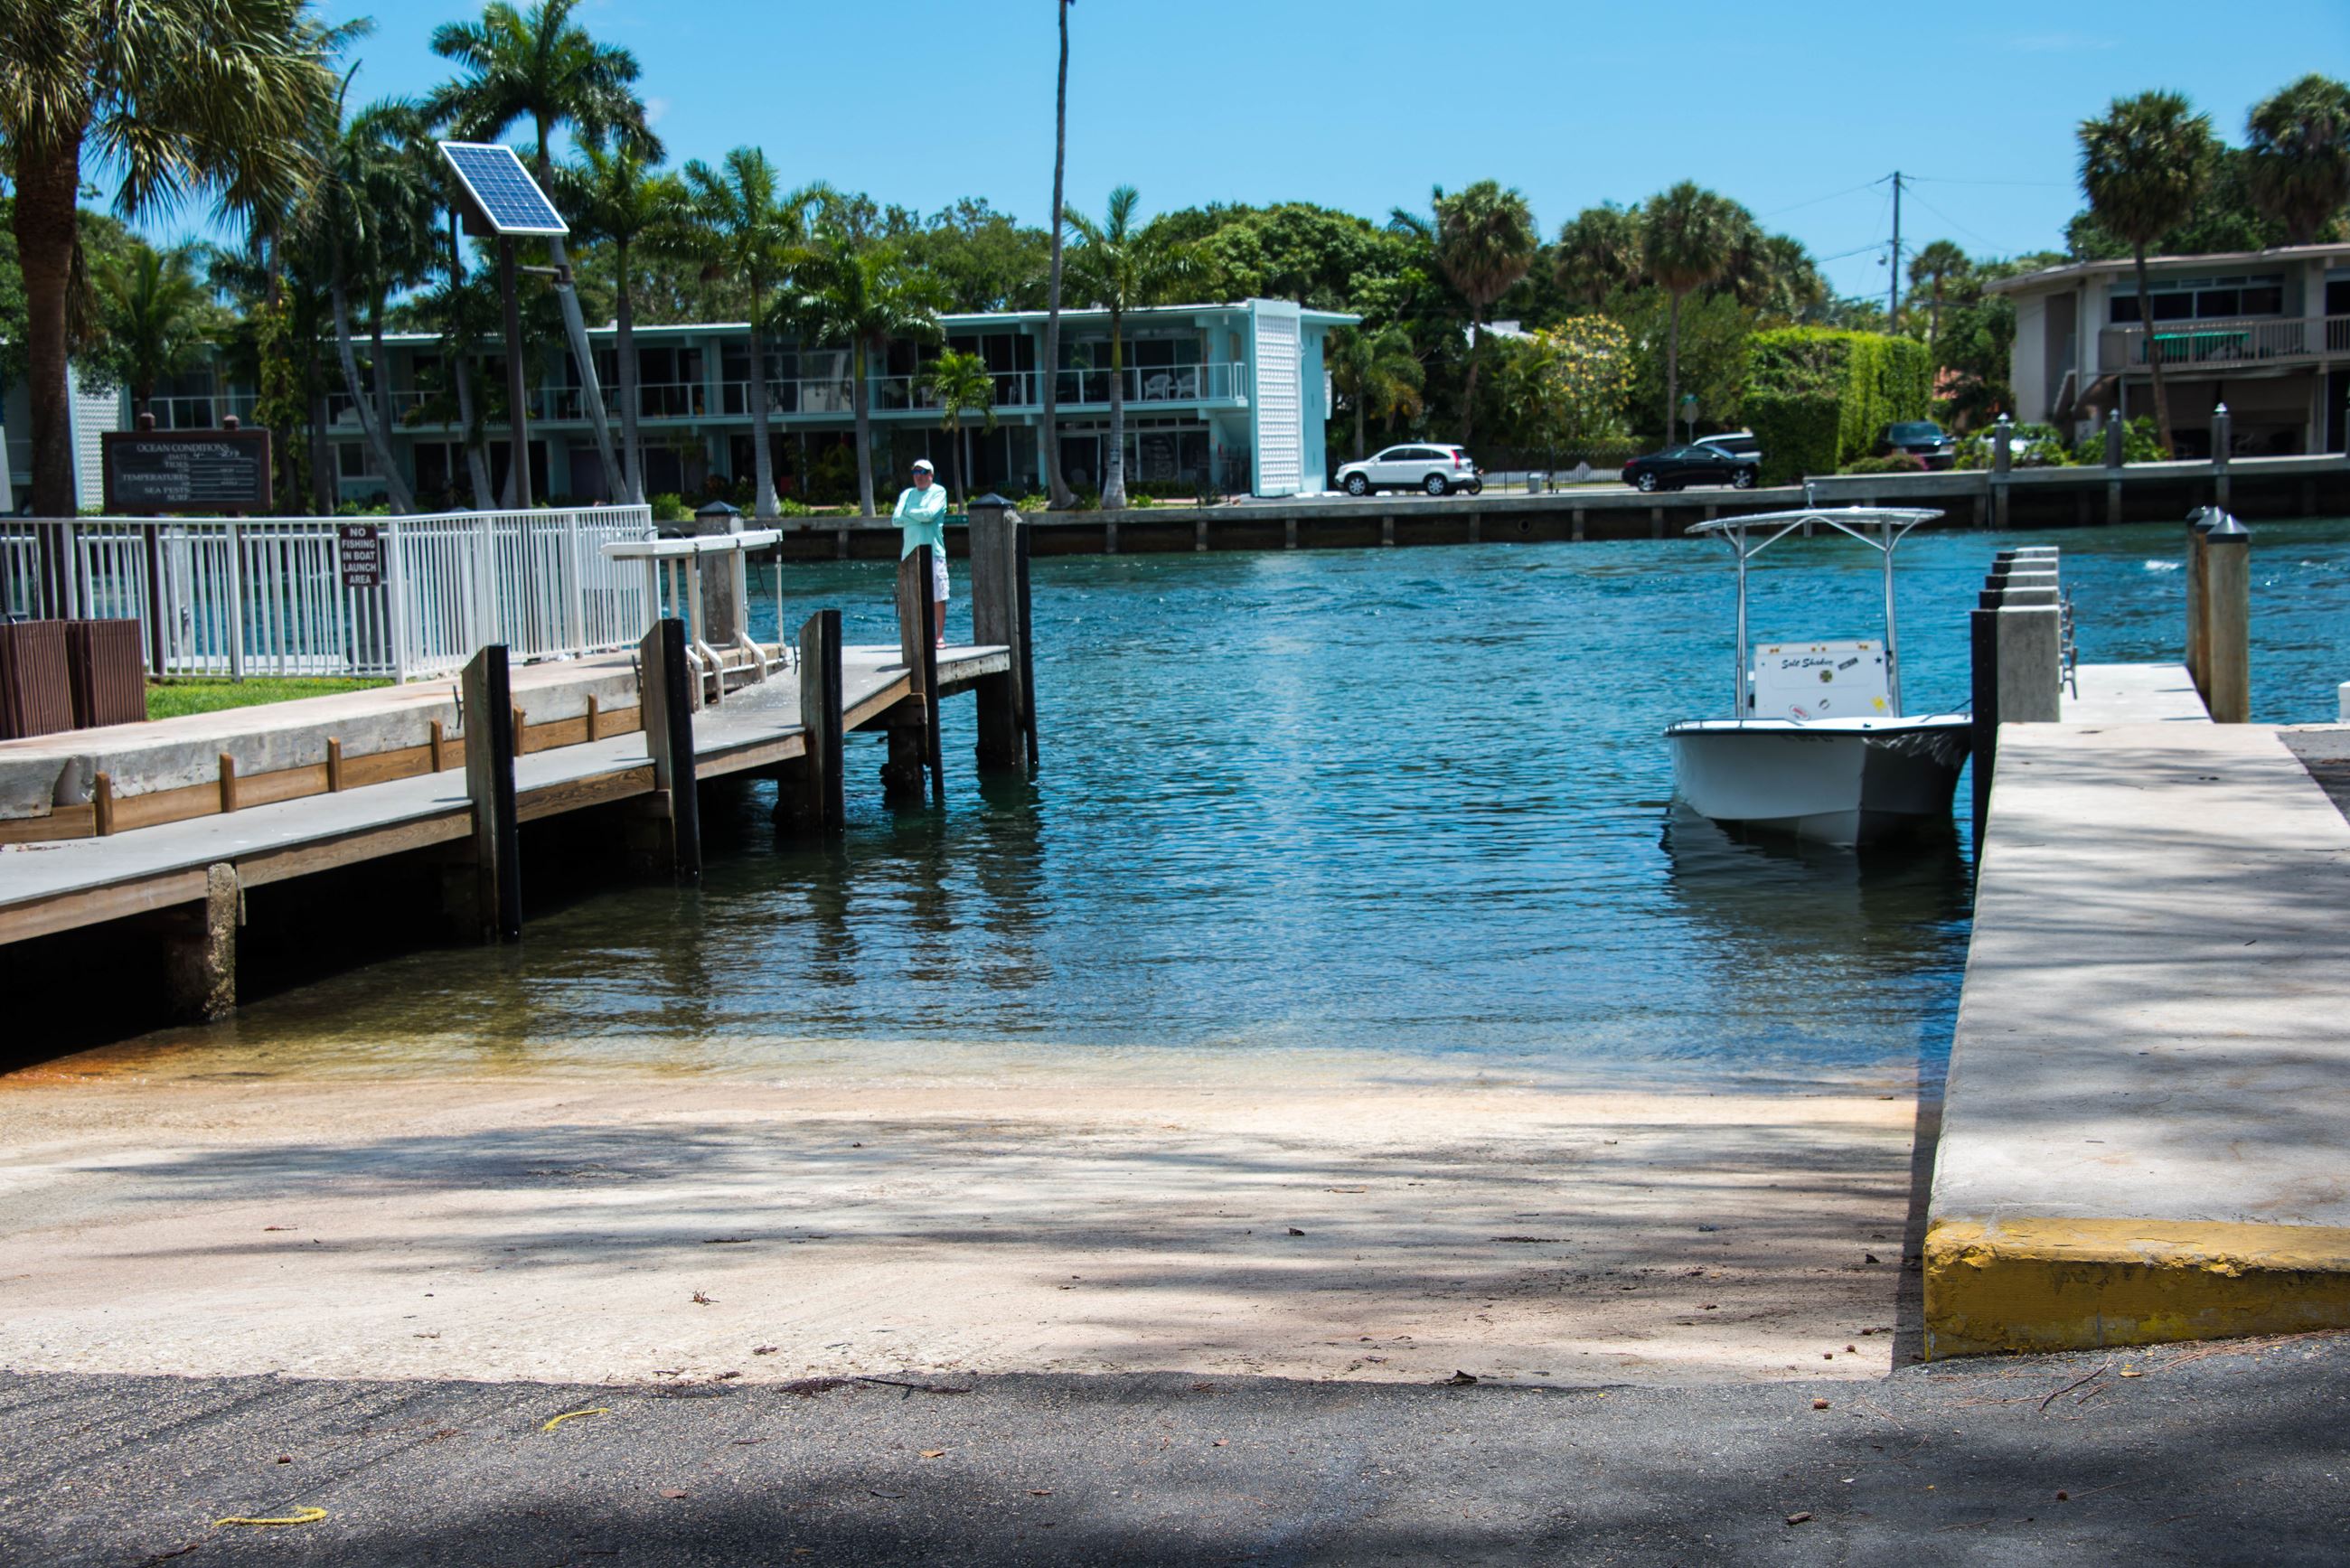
[(1840, 782)]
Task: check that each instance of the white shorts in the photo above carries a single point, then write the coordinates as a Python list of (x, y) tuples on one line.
[(938, 574)]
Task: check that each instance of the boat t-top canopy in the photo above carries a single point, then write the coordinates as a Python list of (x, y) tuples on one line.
[(1881, 529)]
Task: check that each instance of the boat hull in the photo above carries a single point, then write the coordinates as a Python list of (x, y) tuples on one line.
[(1842, 782)]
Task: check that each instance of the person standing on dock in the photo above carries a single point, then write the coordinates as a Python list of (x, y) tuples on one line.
[(922, 517)]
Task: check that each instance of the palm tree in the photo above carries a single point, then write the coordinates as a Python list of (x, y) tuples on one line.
[(961, 385), (1775, 275), (1123, 267), (740, 225), (2300, 146), (617, 196), (1485, 241), (543, 67), (366, 213), (1056, 488), (173, 97), (1688, 241), (1598, 254), (1934, 269), (2142, 166), (866, 297), (1376, 373), (153, 309)]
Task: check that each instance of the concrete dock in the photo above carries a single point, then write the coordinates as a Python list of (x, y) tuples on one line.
[(2151, 1075)]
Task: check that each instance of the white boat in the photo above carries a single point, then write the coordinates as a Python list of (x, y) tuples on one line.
[(1818, 744)]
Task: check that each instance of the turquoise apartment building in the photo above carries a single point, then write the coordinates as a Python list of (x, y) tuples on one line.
[(1228, 396)]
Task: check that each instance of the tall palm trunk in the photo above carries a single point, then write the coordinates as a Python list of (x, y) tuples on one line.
[(2153, 358), (1113, 492), (381, 366), (477, 462), (322, 453), (954, 463), (1476, 354), (574, 327), (1358, 423), (763, 461), (968, 466), (43, 219), (632, 454), (1672, 361), (861, 403), (1056, 488), (395, 488)]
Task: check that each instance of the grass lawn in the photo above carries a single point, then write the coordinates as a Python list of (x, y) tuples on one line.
[(172, 699)]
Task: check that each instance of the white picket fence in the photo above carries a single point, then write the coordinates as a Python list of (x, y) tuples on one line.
[(269, 596)]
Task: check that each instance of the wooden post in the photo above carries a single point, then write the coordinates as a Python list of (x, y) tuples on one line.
[(200, 950), (595, 717), (914, 733), (2199, 524), (999, 593), (101, 800), (1982, 628), (819, 806), (2226, 601), (227, 782), (666, 835), (495, 894), (439, 744), (334, 765), (2003, 460)]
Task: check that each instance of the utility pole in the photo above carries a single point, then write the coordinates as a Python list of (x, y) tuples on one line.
[(1893, 293)]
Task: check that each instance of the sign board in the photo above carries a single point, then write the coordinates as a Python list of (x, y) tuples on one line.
[(359, 547), (186, 471), (1811, 680)]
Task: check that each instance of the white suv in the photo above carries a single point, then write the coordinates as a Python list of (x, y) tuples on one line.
[(1419, 466)]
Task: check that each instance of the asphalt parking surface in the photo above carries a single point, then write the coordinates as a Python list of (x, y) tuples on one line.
[(2181, 1454)]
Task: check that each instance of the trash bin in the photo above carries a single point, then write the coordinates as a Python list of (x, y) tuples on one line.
[(1536, 483)]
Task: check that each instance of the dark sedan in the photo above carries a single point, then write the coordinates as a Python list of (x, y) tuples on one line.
[(1699, 462), (1921, 439)]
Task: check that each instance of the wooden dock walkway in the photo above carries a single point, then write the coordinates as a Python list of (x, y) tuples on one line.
[(464, 799)]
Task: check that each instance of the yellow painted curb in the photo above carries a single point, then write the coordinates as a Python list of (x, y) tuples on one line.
[(2077, 1284)]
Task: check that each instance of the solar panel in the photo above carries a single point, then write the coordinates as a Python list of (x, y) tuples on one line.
[(504, 194)]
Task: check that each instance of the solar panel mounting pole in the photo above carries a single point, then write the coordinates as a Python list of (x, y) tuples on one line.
[(518, 410)]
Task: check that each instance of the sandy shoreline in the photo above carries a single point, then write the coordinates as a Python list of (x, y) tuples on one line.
[(1319, 1223)]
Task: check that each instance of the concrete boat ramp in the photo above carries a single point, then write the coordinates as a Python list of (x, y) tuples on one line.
[(2143, 1130)]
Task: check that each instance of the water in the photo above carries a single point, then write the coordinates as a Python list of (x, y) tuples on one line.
[(1404, 804)]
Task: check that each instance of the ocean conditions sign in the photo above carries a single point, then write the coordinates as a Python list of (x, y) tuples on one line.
[(186, 471)]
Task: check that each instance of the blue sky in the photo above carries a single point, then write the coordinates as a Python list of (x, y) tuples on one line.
[(1366, 105)]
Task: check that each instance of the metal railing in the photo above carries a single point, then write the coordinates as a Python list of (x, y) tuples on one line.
[(199, 410), (2248, 341), (275, 595)]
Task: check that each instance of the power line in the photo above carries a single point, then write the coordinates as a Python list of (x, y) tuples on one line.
[(1978, 237), (2016, 184), (1831, 196)]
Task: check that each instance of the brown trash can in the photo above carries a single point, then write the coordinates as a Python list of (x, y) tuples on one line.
[(36, 682), (107, 669)]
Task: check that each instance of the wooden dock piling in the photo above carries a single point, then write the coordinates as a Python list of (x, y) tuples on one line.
[(913, 724), (810, 794), (494, 895), (666, 833), (2227, 610), (999, 614)]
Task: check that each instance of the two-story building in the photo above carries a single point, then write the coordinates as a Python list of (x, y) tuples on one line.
[(1228, 396), (2266, 332)]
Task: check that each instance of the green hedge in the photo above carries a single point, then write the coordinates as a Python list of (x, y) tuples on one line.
[(1869, 382), (1797, 432)]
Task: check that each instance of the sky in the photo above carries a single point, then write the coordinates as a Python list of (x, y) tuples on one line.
[(1800, 111)]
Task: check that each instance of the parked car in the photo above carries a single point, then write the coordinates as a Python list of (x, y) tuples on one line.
[(1699, 462), (1921, 439), (1416, 465)]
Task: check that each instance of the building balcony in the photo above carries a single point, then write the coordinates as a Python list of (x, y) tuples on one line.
[(200, 411), (827, 397), (2253, 341)]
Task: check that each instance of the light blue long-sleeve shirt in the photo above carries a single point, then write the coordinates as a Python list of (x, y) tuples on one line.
[(922, 517)]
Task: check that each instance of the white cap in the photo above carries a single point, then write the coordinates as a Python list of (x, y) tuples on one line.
[(922, 465)]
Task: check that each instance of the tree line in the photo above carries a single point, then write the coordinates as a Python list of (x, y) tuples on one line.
[(1630, 318)]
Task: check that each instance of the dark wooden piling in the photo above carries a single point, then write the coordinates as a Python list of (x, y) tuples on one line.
[(913, 724), (665, 833), (494, 900), (999, 614), (810, 796)]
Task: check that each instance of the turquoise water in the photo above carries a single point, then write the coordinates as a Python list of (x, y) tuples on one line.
[(1409, 801)]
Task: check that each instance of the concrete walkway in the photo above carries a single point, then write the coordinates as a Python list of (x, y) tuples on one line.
[(2151, 1073), (2133, 694)]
